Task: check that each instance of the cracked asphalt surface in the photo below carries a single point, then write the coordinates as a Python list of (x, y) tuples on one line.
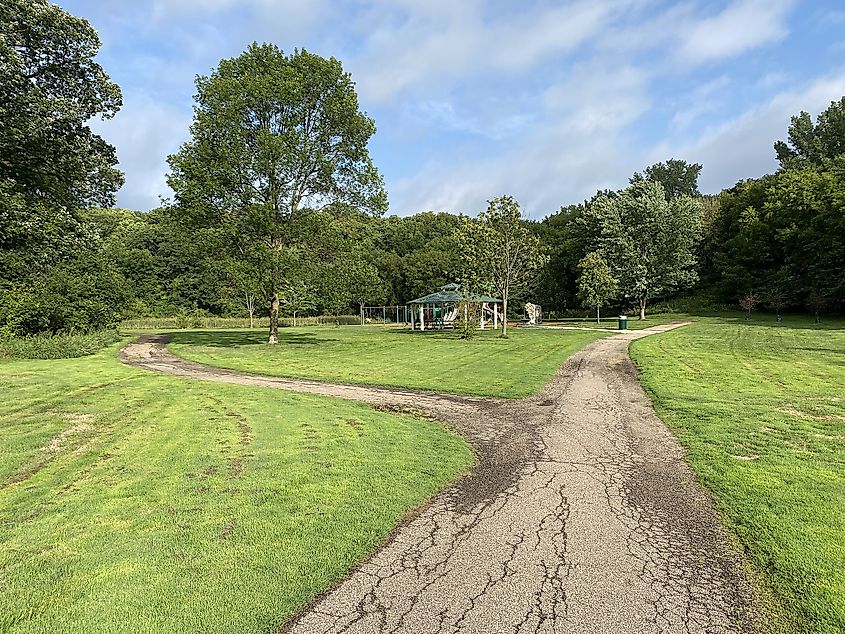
[(579, 516)]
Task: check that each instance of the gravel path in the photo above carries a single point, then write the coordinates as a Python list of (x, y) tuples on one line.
[(580, 516)]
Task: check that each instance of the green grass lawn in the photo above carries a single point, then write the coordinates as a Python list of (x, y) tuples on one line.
[(134, 502), (761, 408), (611, 322), (487, 365)]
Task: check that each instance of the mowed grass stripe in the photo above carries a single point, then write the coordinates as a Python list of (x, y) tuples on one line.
[(487, 365), (165, 504), (761, 409)]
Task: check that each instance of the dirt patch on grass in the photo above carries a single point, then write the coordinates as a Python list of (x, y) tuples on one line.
[(58, 442), (799, 414), (244, 428), (228, 529), (355, 424), (56, 446)]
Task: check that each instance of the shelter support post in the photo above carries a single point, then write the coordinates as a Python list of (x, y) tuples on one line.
[(495, 316), (422, 317)]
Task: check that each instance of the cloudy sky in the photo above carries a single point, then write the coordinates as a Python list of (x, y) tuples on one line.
[(548, 101)]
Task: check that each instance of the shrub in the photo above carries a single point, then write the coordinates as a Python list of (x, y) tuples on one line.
[(81, 296), (56, 346), (468, 318), (183, 321)]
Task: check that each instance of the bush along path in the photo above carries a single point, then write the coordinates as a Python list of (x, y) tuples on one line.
[(579, 516)]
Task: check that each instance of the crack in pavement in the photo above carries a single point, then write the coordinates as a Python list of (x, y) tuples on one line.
[(580, 515)]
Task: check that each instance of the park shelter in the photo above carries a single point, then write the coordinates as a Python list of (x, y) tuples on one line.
[(439, 310)]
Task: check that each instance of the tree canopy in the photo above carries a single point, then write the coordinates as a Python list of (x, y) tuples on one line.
[(275, 138), (50, 87), (500, 253), (677, 177), (812, 145), (278, 208), (648, 241), (52, 164)]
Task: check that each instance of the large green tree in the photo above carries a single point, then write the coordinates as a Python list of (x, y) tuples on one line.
[(596, 284), (783, 233), (501, 254), (649, 241), (814, 144), (50, 88), (52, 164), (566, 242), (677, 177), (275, 138)]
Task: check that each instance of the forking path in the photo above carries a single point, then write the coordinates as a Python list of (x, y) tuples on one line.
[(580, 516)]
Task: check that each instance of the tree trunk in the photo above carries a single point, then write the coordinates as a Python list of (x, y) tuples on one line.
[(505, 316), (250, 307), (274, 318), (598, 315), (642, 308), (294, 319)]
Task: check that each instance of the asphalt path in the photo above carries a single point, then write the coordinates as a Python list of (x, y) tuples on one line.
[(580, 516)]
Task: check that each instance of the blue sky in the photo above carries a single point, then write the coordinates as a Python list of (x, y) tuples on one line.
[(547, 101)]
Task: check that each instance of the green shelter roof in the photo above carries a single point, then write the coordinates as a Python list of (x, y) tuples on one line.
[(451, 294)]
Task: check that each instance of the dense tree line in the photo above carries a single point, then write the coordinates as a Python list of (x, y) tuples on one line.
[(278, 208), (779, 238), (51, 166)]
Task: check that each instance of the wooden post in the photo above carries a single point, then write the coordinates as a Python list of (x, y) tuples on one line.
[(483, 306), (412, 319), (495, 316), (422, 316)]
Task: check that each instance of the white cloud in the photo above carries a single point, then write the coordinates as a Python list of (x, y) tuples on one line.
[(704, 100), (145, 131), (742, 26), (742, 147), (577, 147), (431, 45), (484, 120), (543, 99)]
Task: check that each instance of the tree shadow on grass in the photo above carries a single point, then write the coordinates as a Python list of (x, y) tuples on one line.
[(795, 321), (234, 338), (431, 333), (832, 325)]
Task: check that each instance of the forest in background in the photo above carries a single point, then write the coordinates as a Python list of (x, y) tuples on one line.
[(779, 237), (71, 262)]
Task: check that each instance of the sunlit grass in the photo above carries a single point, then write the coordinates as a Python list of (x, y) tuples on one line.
[(134, 502), (487, 365), (761, 408)]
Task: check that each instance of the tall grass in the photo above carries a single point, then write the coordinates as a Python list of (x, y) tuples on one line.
[(58, 346), (196, 321)]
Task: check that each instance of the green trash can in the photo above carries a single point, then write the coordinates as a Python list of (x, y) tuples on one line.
[(623, 322)]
